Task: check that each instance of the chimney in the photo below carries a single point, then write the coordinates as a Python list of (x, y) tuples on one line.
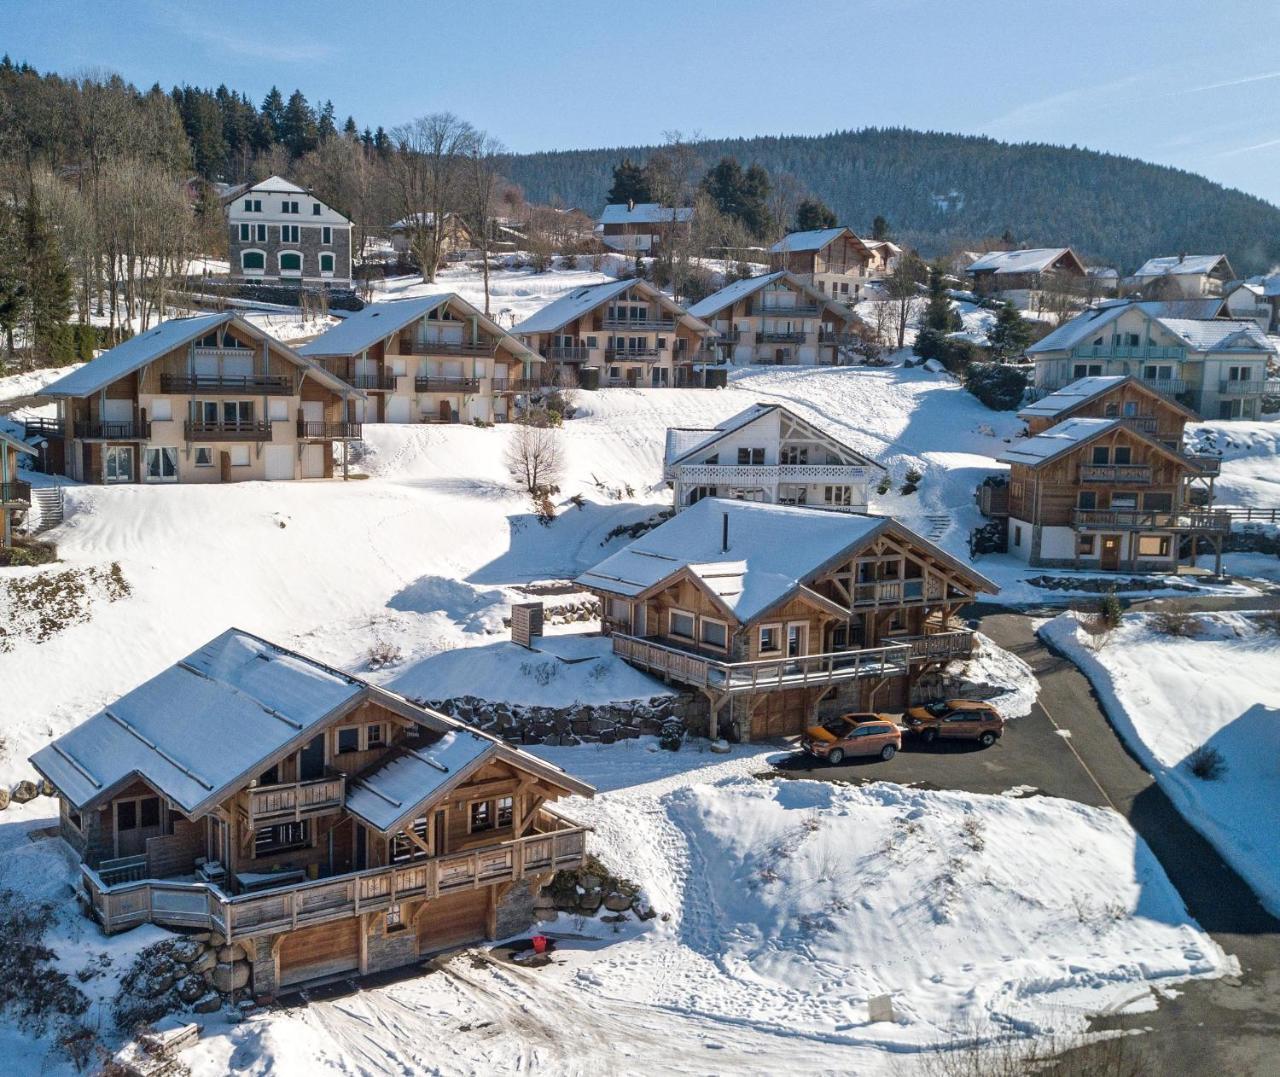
[(724, 534), (631, 205)]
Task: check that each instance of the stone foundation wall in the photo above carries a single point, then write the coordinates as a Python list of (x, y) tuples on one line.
[(390, 950), (515, 910), (578, 723)]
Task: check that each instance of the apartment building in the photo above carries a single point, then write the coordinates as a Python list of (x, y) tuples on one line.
[(834, 261), (280, 233)]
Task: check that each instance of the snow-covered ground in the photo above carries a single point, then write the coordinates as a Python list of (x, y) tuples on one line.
[(1169, 696), (784, 906)]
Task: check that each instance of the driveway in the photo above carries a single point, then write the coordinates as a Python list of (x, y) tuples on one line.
[(1217, 1027)]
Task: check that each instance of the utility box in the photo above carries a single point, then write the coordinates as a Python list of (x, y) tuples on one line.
[(526, 623), (717, 377), (589, 378)]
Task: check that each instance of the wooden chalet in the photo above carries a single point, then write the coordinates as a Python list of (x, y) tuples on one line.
[(326, 824), (779, 614), (1026, 270), (15, 495), (835, 261), (210, 398)]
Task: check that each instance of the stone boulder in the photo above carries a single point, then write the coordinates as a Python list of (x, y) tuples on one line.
[(186, 951), (210, 1003), (227, 977), (191, 988), (25, 791), (232, 951), (617, 902)]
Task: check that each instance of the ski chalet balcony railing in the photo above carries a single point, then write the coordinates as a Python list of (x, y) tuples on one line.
[(45, 428), (558, 844), (1248, 387), (1141, 424), (266, 384), (446, 385), (442, 347), (1207, 465), (779, 310), (567, 355), (379, 381), (622, 355), (781, 336), (661, 325), (1142, 520), (1128, 351), (15, 493), (518, 385), (231, 430), (728, 336), (801, 671), (1118, 473), (315, 430), (295, 800), (113, 430), (755, 474)]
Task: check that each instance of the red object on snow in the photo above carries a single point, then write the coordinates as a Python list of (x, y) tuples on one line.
[(539, 944)]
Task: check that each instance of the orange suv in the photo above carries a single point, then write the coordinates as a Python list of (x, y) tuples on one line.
[(852, 734), (956, 719)]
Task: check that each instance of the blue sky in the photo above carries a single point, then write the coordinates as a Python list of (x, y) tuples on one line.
[(1184, 83)]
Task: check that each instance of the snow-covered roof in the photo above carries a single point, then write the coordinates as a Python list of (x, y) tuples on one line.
[(813, 240), (366, 327), (1201, 334), (644, 213), (1198, 308), (15, 443), (1031, 260), (1070, 396), (146, 347), (1071, 333), (772, 551), (199, 726), (689, 442), (1218, 334), (739, 289), (278, 185), (1056, 440), (1175, 265), (583, 300), (410, 777)]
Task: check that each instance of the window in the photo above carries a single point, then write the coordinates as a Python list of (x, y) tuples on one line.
[(290, 262), (253, 260), (714, 633), (161, 409), (288, 207), (1157, 373), (506, 811), (326, 263), (315, 209), (281, 838), (239, 455), (1132, 340), (403, 848), (393, 921), (1153, 545), (1084, 544), (288, 233), (348, 740), (752, 457), (681, 624), (244, 233), (837, 495), (1112, 411), (794, 454), (326, 235), (1239, 373), (204, 456), (1124, 454), (1157, 502), (253, 205), (591, 342), (262, 233), (1127, 502), (162, 465), (373, 736), (1086, 499), (1086, 370), (481, 817), (118, 465), (770, 639), (699, 492), (1101, 455), (127, 815)]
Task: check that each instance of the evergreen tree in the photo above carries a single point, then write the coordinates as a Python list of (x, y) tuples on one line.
[(939, 315), (381, 142), (1011, 333), (272, 115), (298, 129), (630, 184), (756, 187), (741, 196), (880, 229), (813, 214), (13, 288), (326, 125), (349, 128), (48, 281)]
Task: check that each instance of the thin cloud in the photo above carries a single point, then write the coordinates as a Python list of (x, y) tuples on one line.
[(296, 50), (1249, 149), (1268, 76)]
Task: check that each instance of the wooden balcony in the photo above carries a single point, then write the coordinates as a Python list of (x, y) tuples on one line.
[(567, 355), (206, 906), (446, 385), (1125, 474), (631, 355), (803, 671), (769, 474), (1214, 521), (1204, 463), (220, 385), (15, 493), (448, 347), (383, 381), (323, 431), (45, 428), (781, 336), (906, 592), (247, 430), (800, 310), (518, 385), (116, 430), (295, 800), (1142, 424), (1166, 386), (642, 325)]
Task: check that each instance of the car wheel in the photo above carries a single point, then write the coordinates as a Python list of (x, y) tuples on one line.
[(888, 752), (987, 739), (836, 757), (929, 736)]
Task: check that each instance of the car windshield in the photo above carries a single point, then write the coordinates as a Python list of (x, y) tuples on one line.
[(936, 708), (836, 726)]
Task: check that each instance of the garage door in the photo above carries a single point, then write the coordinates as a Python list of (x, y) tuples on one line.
[(780, 714), (325, 950), (279, 461), (313, 461), (398, 409), (453, 920)]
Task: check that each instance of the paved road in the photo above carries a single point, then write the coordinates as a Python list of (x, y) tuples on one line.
[(1223, 1027)]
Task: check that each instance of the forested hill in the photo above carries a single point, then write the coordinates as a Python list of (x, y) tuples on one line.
[(941, 191)]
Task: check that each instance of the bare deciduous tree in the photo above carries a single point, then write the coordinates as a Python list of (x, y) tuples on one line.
[(535, 457), (482, 189), (428, 166)]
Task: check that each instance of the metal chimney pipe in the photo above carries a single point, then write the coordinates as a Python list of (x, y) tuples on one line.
[(724, 534)]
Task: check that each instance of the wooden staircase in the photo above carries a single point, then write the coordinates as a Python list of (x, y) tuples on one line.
[(48, 509)]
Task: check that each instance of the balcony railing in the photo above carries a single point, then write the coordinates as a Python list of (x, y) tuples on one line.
[(769, 474), (268, 384), (1121, 473), (45, 428), (1143, 424), (242, 430), (1143, 520), (1167, 386), (444, 347), (898, 592), (1128, 351), (115, 430), (324, 431), (15, 493), (800, 310), (517, 385), (839, 339), (383, 381), (559, 844), (1249, 387), (295, 800), (1207, 465), (633, 355), (728, 336), (781, 336), (567, 355), (660, 325), (690, 667), (446, 385)]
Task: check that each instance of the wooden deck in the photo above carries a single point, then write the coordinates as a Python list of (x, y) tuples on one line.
[(174, 903)]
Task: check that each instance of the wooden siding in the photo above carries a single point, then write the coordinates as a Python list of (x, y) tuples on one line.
[(1154, 416), (452, 920), (324, 950)]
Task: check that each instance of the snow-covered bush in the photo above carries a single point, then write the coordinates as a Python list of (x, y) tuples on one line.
[(997, 385)]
